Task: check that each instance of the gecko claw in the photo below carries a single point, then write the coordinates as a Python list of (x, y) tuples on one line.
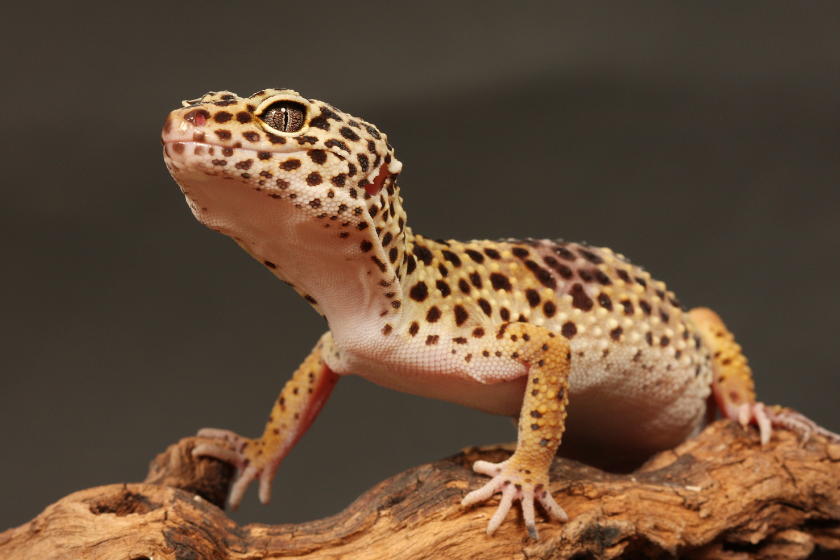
[(771, 417), (247, 471), (510, 483)]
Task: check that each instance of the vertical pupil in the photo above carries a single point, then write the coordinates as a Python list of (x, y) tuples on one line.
[(285, 116)]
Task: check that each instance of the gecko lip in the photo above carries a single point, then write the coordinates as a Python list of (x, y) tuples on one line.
[(186, 142)]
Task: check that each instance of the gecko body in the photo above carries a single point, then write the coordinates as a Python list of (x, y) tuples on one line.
[(571, 338)]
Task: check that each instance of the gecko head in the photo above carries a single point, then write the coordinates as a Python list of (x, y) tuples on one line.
[(278, 157)]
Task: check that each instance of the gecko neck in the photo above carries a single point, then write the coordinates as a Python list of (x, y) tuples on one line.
[(355, 282)]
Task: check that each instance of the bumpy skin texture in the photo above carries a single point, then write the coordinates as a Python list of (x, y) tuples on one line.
[(531, 327)]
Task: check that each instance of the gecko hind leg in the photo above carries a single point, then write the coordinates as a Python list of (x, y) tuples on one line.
[(733, 388)]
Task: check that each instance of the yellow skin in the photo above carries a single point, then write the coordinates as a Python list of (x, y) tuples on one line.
[(527, 327)]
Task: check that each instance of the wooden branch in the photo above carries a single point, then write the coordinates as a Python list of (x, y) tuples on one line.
[(719, 495)]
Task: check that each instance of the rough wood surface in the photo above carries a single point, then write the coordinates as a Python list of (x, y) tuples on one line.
[(718, 495)]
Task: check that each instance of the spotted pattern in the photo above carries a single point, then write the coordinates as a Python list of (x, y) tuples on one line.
[(319, 206)]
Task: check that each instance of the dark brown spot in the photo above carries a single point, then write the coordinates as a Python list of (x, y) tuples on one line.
[(461, 315), (443, 287), (419, 292), (245, 164), (628, 306), (664, 341), (665, 316), (533, 297), (227, 152), (333, 143), (549, 309), (433, 314), (386, 240), (500, 282), (313, 179), (290, 164), (264, 156), (269, 264), (222, 117), (381, 265), (565, 254), (485, 306), (478, 332), (543, 275), (579, 298), (320, 122), (475, 255), (365, 246), (219, 162), (393, 254), (432, 339), (590, 256), (423, 254), (605, 301), (364, 163), (641, 281), (339, 180), (452, 257), (310, 299), (568, 330), (464, 286), (222, 134), (349, 134), (615, 334), (585, 275), (601, 277), (504, 313), (520, 252), (251, 136), (412, 330), (493, 254), (386, 330), (561, 268), (315, 203), (318, 156), (645, 307), (649, 338)]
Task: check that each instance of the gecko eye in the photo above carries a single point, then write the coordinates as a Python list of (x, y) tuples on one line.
[(284, 116)]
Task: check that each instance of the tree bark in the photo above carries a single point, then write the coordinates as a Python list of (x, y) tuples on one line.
[(718, 495)]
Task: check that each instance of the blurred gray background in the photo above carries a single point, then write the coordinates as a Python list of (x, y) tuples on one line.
[(701, 140)]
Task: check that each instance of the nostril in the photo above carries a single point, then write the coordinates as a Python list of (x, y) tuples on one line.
[(197, 117)]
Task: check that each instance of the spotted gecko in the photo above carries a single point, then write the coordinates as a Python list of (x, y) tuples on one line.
[(526, 327)]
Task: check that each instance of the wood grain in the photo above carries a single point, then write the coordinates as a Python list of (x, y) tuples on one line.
[(718, 495)]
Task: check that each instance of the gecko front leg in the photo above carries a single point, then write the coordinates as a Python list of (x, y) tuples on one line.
[(299, 403), (524, 476)]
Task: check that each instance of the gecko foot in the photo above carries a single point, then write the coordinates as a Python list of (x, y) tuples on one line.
[(246, 457), (768, 417), (514, 484)]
